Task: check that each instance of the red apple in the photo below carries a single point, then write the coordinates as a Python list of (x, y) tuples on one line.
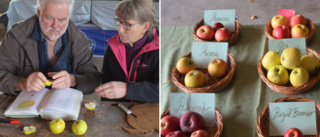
[(297, 19), (217, 67), (299, 31), (205, 32), (191, 121), (278, 20), (222, 34), (184, 65), (281, 32), (293, 132), (200, 133), (194, 79), (177, 134), (169, 124), (217, 26)]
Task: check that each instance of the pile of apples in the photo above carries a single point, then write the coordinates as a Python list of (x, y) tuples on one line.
[(190, 124), (218, 32), (297, 27), (195, 78), (290, 62)]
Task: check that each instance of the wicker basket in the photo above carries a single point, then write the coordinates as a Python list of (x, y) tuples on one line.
[(231, 40), (268, 30), (213, 85), (213, 131), (289, 89), (263, 118)]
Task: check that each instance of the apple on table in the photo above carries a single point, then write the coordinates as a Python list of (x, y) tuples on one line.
[(293, 132), (57, 125), (169, 124), (278, 20), (205, 32), (297, 19), (299, 31), (79, 127), (281, 32), (191, 121)]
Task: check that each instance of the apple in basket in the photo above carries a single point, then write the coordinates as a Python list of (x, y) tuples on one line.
[(177, 134), (200, 133), (293, 132), (278, 75), (217, 67), (311, 63), (297, 19), (281, 32), (299, 76), (205, 32), (217, 26), (299, 31), (278, 20), (184, 65), (191, 121), (222, 34), (195, 79), (270, 59), (290, 58), (169, 124)]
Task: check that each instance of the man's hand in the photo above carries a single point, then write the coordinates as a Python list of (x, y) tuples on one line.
[(35, 81), (112, 90), (62, 79)]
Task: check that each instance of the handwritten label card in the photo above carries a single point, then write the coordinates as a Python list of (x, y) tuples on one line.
[(226, 17), (285, 115), (202, 103), (278, 45), (204, 52)]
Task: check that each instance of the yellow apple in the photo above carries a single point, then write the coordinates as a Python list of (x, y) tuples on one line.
[(217, 67), (79, 127), (270, 59), (184, 65), (290, 58), (278, 75), (194, 79), (57, 125), (311, 63), (299, 31), (48, 83), (90, 105), (299, 76), (278, 20), (29, 129)]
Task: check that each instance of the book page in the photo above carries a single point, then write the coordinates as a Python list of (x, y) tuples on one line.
[(62, 103), (26, 103)]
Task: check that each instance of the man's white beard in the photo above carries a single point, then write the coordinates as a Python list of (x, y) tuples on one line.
[(53, 37)]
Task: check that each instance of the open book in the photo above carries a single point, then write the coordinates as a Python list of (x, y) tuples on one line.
[(49, 104)]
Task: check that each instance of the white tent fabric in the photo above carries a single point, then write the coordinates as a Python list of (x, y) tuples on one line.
[(101, 12)]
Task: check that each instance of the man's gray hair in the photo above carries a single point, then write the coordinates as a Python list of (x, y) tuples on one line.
[(41, 3)]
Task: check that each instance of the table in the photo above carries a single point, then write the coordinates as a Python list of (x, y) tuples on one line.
[(104, 121), (241, 102)]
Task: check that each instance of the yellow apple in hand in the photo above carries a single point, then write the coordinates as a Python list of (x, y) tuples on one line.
[(184, 65), (278, 75), (79, 127), (57, 125), (278, 20), (217, 67), (311, 63), (194, 79), (299, 76), (270, 59), (299, 31), (29, 129), (90, 105), (290, 58)]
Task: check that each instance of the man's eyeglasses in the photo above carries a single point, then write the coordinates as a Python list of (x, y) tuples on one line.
[(125, 25)]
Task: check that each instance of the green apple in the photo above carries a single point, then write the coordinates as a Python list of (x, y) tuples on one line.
[(299, 76), (79, 127), (29, 129), (90, 105), (195, 79), (57, 125), (270, 59), (290, 58), (311, 63), (278, 75)]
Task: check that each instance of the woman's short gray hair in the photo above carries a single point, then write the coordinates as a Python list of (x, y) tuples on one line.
[(140, 10), (41, 3)]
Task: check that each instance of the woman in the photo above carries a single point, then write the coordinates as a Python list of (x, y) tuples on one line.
[(130, 69)]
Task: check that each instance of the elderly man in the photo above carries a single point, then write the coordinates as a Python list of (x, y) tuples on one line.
[(47, 47)]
